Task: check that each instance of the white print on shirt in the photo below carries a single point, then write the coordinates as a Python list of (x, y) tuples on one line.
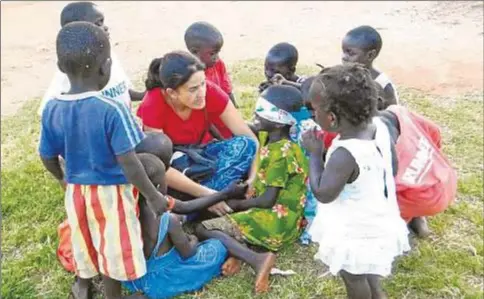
[(116, 89), (420, 164)]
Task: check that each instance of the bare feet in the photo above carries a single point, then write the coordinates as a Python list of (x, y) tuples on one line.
[(420, 227), (231, 266), (263, 270)]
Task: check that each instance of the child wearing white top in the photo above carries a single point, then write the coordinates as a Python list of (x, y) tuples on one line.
[(362, 45), (357, 224), (119, 86)]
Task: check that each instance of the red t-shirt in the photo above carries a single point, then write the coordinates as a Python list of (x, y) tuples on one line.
[(156, 113), (218, 75)]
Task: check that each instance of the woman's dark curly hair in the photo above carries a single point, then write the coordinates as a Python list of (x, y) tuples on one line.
[(348, 91)]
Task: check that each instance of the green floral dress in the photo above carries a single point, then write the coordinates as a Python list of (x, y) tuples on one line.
[(281, 164)]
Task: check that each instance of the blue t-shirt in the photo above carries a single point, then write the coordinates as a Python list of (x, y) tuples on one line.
[(89, 130)]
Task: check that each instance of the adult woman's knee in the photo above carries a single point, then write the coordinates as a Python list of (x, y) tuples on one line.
[(249, 145)]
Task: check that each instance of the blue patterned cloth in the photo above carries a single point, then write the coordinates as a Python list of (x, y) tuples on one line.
[(234, 158), (169, 275), (305, 123)]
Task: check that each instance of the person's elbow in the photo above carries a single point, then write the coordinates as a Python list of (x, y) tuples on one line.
[(323, 195)]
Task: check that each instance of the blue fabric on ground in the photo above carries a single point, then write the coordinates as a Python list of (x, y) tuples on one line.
[(169, 275)]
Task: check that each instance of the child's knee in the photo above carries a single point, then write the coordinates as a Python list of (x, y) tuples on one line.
[(200, 230), (159, 145)]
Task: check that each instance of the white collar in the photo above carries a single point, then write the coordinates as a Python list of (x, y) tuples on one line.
[(78, 96)]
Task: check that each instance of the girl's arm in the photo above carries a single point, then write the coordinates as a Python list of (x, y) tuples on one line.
[(185, 245), (234, 121), (232, 191), (328, 182), (265, 201), (178, 181)]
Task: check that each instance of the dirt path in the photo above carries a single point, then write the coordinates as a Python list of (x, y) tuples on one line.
[(433, 46)]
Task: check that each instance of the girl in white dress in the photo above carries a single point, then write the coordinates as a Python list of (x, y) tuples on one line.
[(357, 225)]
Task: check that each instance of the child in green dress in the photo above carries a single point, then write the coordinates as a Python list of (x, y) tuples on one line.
[(273, 216)]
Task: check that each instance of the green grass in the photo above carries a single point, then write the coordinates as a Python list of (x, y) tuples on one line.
[(447, 265)]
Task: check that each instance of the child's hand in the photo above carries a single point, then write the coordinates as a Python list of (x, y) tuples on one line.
[(250, 192), (311, 142), (278, 79), (157, 204), (236, 190), (220, 209)]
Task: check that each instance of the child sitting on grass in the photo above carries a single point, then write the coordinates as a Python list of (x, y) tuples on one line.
[(357, 226), (205, 41), (119, 86), (362, 45), (176, 261), (97, 137), (272, 217), (280, 67)]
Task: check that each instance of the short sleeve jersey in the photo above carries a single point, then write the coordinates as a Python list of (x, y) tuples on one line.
[(156, 113), (89, 130)]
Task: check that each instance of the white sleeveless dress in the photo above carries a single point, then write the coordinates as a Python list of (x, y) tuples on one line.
[(361, 231)]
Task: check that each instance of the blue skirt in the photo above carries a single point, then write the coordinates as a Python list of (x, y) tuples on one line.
[(234, 158), (170, 275)]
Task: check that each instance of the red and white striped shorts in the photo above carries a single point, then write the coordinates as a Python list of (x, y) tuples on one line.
[(105, 231)]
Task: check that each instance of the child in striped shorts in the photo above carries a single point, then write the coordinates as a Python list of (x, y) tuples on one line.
[(97, 137)]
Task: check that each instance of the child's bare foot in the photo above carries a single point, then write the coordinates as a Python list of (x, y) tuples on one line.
[(420, 227), (263, 270), (231, 266)]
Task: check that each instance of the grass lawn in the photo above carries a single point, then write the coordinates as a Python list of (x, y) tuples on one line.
[(447, 265)]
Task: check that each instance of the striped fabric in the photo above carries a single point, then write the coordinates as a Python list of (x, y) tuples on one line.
[(106, 233)]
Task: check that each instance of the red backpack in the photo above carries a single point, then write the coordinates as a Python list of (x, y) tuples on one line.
[(426, 183)]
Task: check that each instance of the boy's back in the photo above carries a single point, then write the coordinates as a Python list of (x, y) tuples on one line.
[(88, 131)]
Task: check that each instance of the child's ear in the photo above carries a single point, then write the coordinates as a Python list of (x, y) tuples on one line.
[(105, 67), (371, 55), (172, 93), (334, 121)]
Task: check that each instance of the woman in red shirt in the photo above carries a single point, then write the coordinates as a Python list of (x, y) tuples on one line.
[(181, 103)]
